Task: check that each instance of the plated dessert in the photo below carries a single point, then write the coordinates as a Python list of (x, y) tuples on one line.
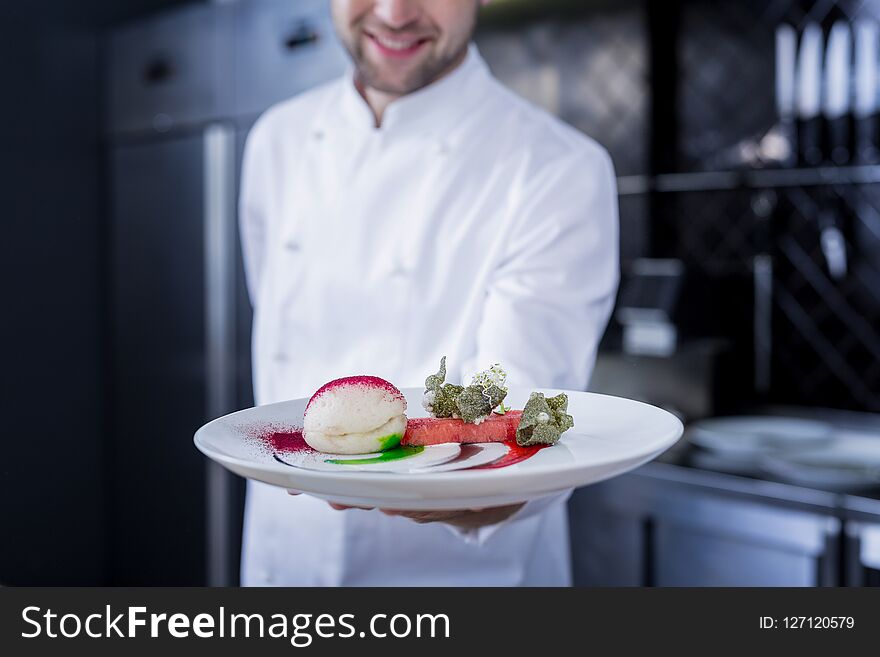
[(436, 466), (360, 423)]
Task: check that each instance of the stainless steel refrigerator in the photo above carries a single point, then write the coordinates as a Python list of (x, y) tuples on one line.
[(183, 88)]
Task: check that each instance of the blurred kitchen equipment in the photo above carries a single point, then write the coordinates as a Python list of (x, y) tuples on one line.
[(739, 444), (786, 58), (750, 437), (648, 299), (778, 145), (738, 465), (851, 461), (683, 384), (762, 326), (831, 238), (865, 91), (809, 94), (866, 240), (836, 97)]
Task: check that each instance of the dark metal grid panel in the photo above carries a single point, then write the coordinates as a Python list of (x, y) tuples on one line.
[(826, 344), (591, 72), (827, 331), (725, 61), (725, 80), (716, 233)]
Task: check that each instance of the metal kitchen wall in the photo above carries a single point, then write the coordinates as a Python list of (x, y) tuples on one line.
[(815, 224), (781, 256), (183, 89)]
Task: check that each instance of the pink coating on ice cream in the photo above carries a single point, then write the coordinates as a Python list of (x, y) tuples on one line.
[(361, 380)]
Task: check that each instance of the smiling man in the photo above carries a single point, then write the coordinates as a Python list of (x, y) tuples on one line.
[(401, 47), (416, 208)]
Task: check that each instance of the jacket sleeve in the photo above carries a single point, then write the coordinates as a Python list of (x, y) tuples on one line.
[(553, 288), (551, 295)]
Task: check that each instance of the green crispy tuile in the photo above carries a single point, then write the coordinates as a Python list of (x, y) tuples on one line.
[(473, 403), (468, 403), (495, 395), (443, 404), (532, 431), (444, 400), (434, 381)]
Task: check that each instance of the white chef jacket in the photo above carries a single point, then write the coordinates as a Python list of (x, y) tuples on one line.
[(471, 224)]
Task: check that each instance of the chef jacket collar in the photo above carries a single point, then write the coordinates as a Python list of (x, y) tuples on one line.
[(435, 109)]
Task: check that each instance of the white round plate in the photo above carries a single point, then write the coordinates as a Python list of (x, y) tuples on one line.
[(611, 435), (751, 436)]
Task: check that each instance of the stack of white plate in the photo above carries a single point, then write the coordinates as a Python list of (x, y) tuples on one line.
[(851, 461), (800, 451)]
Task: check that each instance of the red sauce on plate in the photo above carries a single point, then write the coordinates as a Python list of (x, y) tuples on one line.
[(515, 454)]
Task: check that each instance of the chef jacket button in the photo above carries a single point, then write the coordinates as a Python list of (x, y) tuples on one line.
[(280, 357), (292, 246), (441, 148), (318, 134)]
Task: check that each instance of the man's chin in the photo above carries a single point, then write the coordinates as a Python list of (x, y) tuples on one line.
[(399, 78), (393, 89), (394, 85)]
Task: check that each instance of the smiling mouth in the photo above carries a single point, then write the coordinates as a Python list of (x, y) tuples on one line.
[(396, 46)]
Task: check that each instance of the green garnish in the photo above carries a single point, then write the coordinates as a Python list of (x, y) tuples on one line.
[(390, 455), (472, 403), (435, 381), (389, 442), (544, 420), (494, 376), (502, 409)]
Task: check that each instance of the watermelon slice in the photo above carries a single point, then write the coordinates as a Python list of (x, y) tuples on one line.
[(434, 431)]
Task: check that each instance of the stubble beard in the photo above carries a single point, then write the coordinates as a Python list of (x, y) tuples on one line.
[(371, 76)]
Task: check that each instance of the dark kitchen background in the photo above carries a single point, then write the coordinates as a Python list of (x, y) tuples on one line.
[(746, 139)]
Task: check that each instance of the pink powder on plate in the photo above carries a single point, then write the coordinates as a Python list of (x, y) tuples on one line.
[(287, 442)]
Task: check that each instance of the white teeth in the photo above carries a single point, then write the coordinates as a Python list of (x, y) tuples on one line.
[(394, 44)]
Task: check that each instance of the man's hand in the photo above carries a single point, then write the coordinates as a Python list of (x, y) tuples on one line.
[(461, 518)]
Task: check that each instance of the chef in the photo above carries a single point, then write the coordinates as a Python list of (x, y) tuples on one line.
[(415, 208)]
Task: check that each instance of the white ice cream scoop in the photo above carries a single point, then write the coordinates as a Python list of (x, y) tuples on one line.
[(355, 415)]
